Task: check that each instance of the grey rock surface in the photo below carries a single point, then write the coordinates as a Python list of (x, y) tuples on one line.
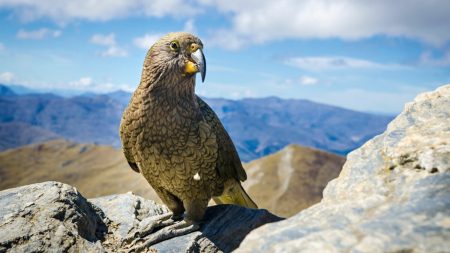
[(393, 194), (54, 217), (224, 228), (127, 211), (49, 216)]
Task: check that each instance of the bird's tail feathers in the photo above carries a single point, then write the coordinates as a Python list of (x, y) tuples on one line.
[(235, 194)]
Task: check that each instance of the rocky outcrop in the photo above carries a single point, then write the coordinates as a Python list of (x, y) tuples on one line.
[(49, 217), (393, 194), (55, 217)]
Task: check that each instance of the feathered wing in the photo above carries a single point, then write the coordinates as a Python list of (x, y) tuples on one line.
[(125, 139), (229, 165)]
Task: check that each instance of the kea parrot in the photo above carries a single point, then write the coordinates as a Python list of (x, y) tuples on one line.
[(176, 141)]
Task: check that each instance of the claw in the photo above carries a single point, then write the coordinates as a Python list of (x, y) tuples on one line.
[(166, 233), (148, 226)]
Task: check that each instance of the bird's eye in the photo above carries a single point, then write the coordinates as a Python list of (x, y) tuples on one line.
[(174, 45)]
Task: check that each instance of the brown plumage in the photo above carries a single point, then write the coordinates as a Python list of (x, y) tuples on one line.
[(175, 139)]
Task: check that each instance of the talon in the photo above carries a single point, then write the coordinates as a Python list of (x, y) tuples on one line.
[(177, 229), (148, 226)]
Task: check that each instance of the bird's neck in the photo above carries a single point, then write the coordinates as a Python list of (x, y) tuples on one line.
[(170, 93)]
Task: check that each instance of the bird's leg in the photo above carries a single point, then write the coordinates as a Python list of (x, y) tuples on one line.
[(194, 214), (173, 203)]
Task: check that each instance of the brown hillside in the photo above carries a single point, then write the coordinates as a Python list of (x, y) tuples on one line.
[(95, 170), (284, 183), (291, 179)]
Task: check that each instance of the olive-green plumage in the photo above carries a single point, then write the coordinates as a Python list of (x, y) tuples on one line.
[(175, 139)]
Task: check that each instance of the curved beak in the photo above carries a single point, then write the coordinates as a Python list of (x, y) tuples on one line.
[(200, 61)]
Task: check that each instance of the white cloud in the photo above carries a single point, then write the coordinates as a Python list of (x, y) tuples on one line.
[(2, 47), (258, 21), (105, 40), (114, 51), (308, 80), (226, 39), (370, 101), (146, 41), (97, 10), (89, 84), (108, 40), (217, 90), (83, 82), (38, 34), (335, 62), (189, 26), (7, 77)]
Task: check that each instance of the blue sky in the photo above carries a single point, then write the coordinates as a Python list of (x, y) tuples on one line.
[(364, 55)]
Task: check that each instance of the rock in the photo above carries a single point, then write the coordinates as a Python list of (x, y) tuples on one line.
[(225, 226), (49, 216), (54, 217), (393, 194), (224, 229), (127, 211)]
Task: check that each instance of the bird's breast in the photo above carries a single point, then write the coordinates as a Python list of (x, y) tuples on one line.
[(168, 130)]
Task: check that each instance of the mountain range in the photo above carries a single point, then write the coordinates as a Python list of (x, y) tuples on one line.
[(258, 126)]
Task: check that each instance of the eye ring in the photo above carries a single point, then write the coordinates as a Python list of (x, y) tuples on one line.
[(174, 45)]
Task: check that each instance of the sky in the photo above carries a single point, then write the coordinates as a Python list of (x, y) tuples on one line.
[(364, 55)]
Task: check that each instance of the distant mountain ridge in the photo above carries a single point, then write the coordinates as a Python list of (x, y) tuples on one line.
[(85, 119), (266, 125), (258, 126), (6, 91)]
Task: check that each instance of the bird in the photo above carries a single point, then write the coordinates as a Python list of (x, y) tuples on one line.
[(176, 141)]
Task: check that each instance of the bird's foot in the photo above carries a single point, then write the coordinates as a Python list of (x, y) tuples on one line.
[(177, 229), (150, 225)]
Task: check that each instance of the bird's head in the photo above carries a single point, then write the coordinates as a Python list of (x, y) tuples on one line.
[(176, 56)]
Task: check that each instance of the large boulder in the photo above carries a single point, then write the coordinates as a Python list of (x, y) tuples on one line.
[(393, 194), (49, 216), (55, 217)]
